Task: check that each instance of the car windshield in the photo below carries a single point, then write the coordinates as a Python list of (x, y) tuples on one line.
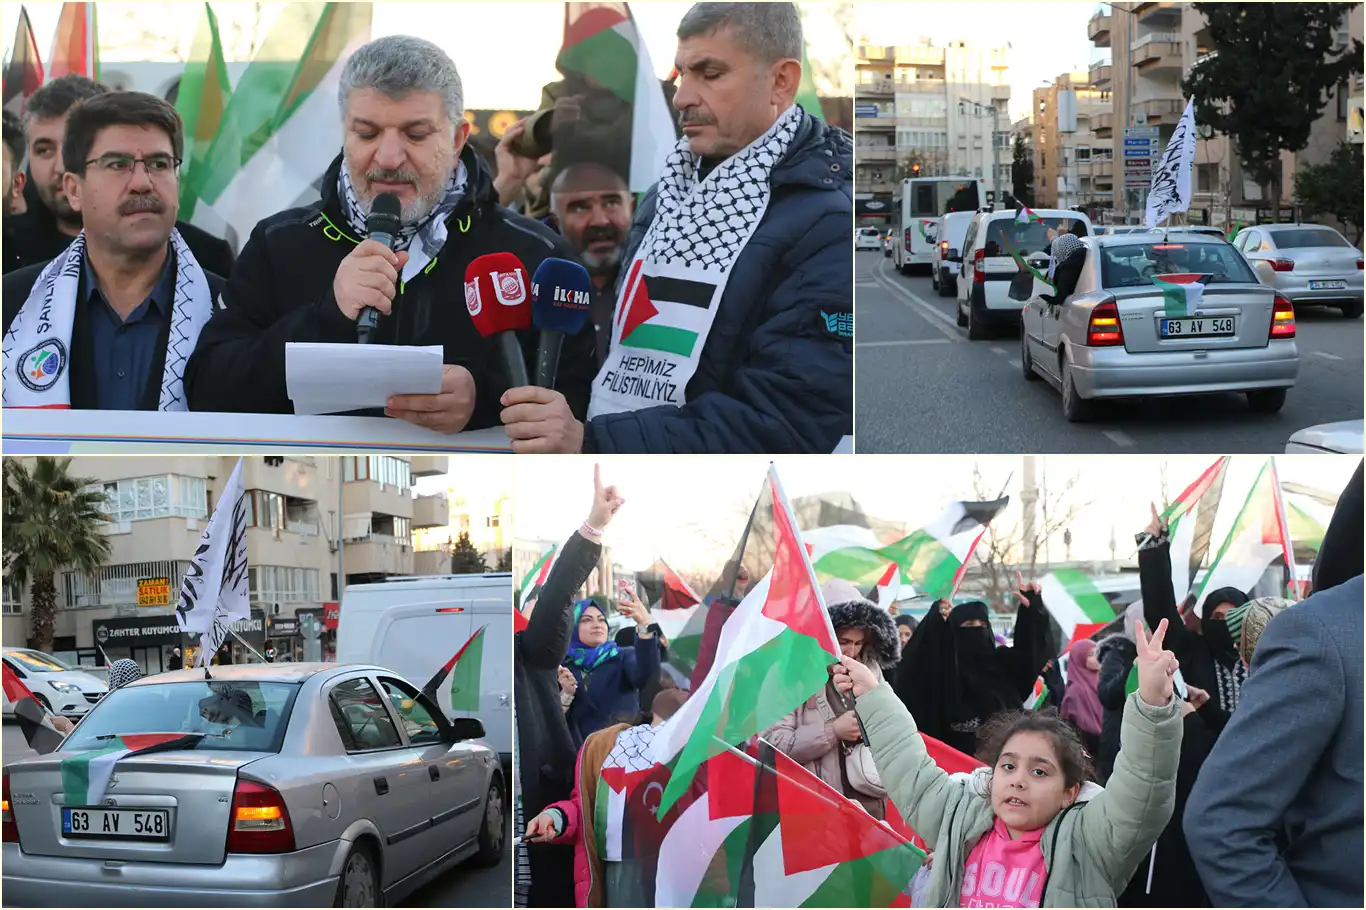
[(1134, 264), (1025, 238), (240, 715), (37, 662), (1306, 238)]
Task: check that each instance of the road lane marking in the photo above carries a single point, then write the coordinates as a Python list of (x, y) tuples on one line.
[(1325, 354), (896, 344), (1002, 351), (1118, 438), (1014, 363), (939, 321)]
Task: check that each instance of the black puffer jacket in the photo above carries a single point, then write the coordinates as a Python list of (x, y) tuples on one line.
[(777, 371), (1116, 655), (876, 623), (281, 291)]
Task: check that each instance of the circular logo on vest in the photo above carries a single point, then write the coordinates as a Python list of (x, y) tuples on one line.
[(41, 365)]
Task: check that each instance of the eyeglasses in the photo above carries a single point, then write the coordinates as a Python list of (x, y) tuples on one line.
[(118, 164)]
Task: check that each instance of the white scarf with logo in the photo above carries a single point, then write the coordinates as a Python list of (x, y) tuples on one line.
[(673, 286), (36, 353)]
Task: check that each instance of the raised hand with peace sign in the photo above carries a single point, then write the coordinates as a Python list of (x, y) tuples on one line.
[(1156, 665), (1030, 595)]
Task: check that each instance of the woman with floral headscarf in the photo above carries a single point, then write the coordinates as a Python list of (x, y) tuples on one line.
[(607, 678)]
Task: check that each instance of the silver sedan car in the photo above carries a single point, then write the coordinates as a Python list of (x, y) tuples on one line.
[(1120, 336), (294, 785), (1308, 263)]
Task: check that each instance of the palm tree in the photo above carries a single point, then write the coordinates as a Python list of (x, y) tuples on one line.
[(51, 523)]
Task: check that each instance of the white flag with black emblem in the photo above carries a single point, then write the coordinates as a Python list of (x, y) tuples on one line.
[(1171, 188), (213, 594)]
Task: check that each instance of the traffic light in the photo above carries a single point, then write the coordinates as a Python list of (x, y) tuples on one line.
[(915, 170)]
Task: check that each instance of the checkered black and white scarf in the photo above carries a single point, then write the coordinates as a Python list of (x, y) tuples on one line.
[(422, 239)]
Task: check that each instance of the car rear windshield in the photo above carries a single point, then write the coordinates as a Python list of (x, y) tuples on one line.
[(1025, 238), (868, 232), (1134, 264), (249, 716), (1303, 239)]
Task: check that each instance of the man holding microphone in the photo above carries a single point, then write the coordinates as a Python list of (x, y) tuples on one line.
[(308, 274)]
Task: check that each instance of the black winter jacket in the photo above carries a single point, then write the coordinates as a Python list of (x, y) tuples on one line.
[(777, 371), (1116, 655), (281, 291)]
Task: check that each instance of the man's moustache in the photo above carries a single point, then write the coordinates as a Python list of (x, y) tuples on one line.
[(141, 204)]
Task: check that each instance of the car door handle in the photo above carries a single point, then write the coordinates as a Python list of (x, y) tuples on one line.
[(381, 786), (434, 772)]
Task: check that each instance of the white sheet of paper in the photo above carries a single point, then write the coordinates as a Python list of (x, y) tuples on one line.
[(333, 378)]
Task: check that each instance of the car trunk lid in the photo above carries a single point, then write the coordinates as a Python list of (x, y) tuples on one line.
[(1142, 311)]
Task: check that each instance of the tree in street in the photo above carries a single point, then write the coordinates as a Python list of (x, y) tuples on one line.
[(1334, 188), (1269, 77), (465, 559), (1022, 173), (504, 561), (51, 524)]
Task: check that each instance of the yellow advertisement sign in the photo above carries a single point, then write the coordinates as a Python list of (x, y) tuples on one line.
[(154, 592)]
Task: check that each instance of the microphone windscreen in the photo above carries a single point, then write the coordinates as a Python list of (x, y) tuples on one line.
[(497, 294), (384, 215), (560, 295)]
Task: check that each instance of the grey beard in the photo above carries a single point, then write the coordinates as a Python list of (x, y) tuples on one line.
[(601, 264), (412, 212)]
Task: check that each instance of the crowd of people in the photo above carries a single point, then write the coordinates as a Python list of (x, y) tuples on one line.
[(112, 303), (1192, 760)]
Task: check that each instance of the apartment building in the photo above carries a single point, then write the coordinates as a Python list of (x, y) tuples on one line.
[(479, 505), (1073, 166), (306, 516), (944, 108)]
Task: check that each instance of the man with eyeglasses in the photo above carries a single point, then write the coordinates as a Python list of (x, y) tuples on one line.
[(110, 323), (49, 223)]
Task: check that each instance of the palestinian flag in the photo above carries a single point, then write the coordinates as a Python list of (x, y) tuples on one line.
[(1022, 264), (1039, 697), (1180, 293), (773, 653), (888, 587), (602, 42), (663, 313), (24, 73), (681, 617), (1308, 511), (1075, 604), (201, 101), (932, 558), (1257, 538), (280, 129), (76, 43), (1025, 215), (1233, 231), (925, 225), (33, 718), (1190, 519), (85, 775), (537, 575), (464, 669)]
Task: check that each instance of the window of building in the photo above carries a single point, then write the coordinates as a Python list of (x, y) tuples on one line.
[(159, 496), (283, 584), (491, 521), (1083, 153), (382, 469), (11, 598), (118, 585), (265, 509), (1341, 93)]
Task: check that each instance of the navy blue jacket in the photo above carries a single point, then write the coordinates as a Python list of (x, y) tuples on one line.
[(777, 371), (610, 694)]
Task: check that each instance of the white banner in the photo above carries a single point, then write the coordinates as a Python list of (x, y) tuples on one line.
[(1171, 188), (214, 591)]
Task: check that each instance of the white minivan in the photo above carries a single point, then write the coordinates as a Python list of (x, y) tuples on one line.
[(414, 626), (987, 268)]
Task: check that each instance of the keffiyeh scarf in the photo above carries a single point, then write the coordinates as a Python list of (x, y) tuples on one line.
[(674, 285), (1064, 245), (423, 239), (36, 352)]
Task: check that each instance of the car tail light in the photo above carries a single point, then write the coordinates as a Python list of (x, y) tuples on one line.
[(1104, 330), (1282, 318), (943, 247), (1358, 263), (908, 240), (11, 829), (979, 266), (1282, 265), (259, 821)]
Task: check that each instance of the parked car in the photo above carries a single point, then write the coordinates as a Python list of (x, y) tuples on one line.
[(987, 268), (1308, 263), (59, 687), (948, 252), (1343, 437), (303, 784), (1113, 338), (867, 239)]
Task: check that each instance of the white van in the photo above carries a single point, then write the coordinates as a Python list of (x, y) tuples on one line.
[(413, 626), (948, 251)]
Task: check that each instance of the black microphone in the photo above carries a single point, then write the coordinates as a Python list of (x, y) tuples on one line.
[(560, 295), (382, 226)]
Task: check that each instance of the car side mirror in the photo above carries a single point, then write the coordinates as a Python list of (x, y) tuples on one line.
[(953, 254), (463, 728)]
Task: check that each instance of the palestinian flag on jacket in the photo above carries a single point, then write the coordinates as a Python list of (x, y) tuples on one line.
[(681, 617), (201, 101), (24, 73), (464, 670), (662, 312), (602, 42), (85, 775), (773, 652), (76, 43), (1181, 294), (1075, 603), (768, 833), (1025, 215), (1190, 521), (34, 720), (1259, 535), (932, 558)]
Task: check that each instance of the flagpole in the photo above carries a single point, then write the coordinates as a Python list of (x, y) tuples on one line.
[(1283, 524)]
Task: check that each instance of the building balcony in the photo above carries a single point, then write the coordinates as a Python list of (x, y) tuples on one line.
[(999, 92), (1157, 57), (872, 53), (1098, 29), (431, 562), (921, 87), (1102, 168), (365, 496), (428, 465), (1157, 13), (871, 155), (378, 554), (430, 511), (1161, 110), (1101, 74), (868, 124), (284, 476), (883, 88), (1103, 125)]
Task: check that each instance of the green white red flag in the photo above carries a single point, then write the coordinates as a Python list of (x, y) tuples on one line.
[(1259, 535), (1190, 523), (76, 43), (1025, 215), (24, 71), (537, 575), (1181, 294), (1075, 603), (681, 617), (202, 98), (85, 775)]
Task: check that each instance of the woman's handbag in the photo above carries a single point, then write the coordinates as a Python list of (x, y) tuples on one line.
[(862, 773)]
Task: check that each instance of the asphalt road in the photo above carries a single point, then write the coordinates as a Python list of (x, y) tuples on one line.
[(463, 886), (921, 386)]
